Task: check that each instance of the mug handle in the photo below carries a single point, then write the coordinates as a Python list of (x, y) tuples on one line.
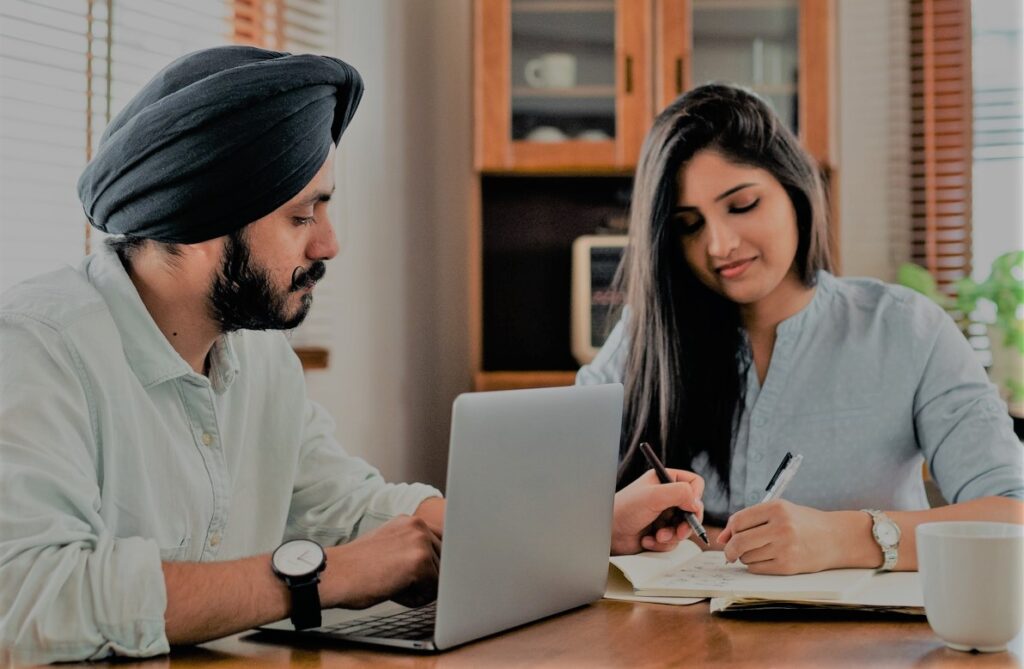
[(534, 72)]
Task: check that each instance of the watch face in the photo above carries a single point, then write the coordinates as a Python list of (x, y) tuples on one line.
[(887, 533), (298, 557)]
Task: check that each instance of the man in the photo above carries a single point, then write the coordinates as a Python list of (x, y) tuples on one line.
[(156, 443)]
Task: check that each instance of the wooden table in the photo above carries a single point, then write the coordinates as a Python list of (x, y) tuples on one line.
[(623, 634)]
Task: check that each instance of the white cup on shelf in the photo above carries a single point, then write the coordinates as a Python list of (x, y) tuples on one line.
[(552, 70), (546, 133), (972, 575), (593, 135)]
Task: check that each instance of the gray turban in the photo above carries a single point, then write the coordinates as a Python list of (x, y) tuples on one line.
[(216, 140)]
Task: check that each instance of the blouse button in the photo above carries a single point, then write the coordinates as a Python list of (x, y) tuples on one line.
[(207, 438)]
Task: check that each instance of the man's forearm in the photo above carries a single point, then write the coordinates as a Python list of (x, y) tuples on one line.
[(209, 600)]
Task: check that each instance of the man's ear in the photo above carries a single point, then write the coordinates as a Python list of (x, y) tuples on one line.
[(209, 252)]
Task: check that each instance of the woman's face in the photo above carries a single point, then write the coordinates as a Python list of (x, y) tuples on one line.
[(738, 228)]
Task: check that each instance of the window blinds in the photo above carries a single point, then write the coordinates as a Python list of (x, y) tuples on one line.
[(65, 68), (941, 137)]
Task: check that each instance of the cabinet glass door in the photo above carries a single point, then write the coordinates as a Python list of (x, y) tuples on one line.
[(752, 43), (563, 69)]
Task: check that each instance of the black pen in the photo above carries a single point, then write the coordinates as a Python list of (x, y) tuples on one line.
[(665, 478)]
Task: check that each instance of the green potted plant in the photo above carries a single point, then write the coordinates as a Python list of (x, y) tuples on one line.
[(1004, 288)]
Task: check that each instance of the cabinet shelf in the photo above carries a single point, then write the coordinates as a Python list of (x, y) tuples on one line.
[(570, 92), (563, 7)]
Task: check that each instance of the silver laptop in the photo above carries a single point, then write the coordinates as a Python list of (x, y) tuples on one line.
[(531, 475)]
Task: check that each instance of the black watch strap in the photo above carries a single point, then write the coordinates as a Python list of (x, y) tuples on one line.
[(305, 604)]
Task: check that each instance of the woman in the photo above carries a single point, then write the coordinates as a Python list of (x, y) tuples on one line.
[(739, 345)]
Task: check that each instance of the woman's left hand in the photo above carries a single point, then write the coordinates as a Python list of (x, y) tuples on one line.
[(780, 537)]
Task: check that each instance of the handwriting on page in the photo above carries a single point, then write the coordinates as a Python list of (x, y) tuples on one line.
[(707, 570), (709, 574)]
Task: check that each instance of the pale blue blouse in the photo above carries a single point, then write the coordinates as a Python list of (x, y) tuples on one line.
[(866, 381), (115, 455)]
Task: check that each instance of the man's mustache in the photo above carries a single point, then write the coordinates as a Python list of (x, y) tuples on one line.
[(304, 278)]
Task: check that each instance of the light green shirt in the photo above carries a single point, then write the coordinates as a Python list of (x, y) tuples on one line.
[(115, 455), (866, 382)]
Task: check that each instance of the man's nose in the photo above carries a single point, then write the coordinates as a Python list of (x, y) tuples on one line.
[(324, 244)]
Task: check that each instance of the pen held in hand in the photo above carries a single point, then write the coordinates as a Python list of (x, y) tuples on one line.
[(783, 475), (663, 476)]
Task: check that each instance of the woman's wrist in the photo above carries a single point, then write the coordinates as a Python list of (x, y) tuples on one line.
[(856, 546)]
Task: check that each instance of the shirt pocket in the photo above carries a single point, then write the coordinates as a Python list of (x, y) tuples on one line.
[(175, 553)]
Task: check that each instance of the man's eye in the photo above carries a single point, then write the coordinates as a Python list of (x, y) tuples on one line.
[(305, 220), (742, 209)]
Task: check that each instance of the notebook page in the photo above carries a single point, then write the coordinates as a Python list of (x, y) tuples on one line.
[(708, 575), (648, 566), (621, 589)]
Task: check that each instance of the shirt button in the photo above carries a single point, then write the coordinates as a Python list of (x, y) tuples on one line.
[(214, 540), (207, 438), (753, 498), (755, 456)]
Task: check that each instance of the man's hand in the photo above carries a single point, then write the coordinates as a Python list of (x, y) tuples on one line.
[(397, 561), (780, 537), (645, 508)]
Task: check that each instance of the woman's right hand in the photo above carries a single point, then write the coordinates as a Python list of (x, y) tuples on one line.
[(644, 512)]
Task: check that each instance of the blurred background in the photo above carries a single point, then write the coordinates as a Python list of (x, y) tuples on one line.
[(494, 134)]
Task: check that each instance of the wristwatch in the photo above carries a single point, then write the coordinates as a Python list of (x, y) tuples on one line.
[(298, 563), (887, 535)]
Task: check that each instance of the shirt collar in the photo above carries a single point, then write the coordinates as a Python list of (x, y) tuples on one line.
[(147, 350)]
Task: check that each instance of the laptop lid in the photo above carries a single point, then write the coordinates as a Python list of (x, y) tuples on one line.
[(531, 475)]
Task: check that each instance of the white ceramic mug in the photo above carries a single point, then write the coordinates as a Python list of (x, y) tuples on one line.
[(972, 575), (552, 70)]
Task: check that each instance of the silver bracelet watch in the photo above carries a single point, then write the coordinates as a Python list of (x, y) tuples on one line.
[(887, 535)]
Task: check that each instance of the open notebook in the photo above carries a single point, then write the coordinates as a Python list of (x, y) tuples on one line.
[(687, 572), (882, 593)]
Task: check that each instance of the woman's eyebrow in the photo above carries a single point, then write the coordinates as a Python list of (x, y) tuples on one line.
[(733, 190)]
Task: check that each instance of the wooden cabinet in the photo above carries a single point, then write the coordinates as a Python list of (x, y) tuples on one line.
[(565, 91), (561, 85)]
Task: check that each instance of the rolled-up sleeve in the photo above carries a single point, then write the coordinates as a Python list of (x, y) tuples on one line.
[(338, 496), (69, 589), (963, 427)]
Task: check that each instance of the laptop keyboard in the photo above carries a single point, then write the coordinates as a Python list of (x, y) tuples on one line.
[(414, 624)]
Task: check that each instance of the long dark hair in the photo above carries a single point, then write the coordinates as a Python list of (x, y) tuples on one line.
[(687, 361)]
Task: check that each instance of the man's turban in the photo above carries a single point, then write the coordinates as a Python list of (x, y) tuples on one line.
[(216, 140)]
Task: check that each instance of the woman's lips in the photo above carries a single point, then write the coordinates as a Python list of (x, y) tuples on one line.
[(734, 269)]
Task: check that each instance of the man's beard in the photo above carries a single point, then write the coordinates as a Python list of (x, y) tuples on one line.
[(243, 296)]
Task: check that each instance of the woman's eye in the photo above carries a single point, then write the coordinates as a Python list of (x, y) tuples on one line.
[(305, 220), (689, 224), (742, 209)]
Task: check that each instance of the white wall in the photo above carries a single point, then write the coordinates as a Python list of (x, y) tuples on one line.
[(873, 117), (399, 344)]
